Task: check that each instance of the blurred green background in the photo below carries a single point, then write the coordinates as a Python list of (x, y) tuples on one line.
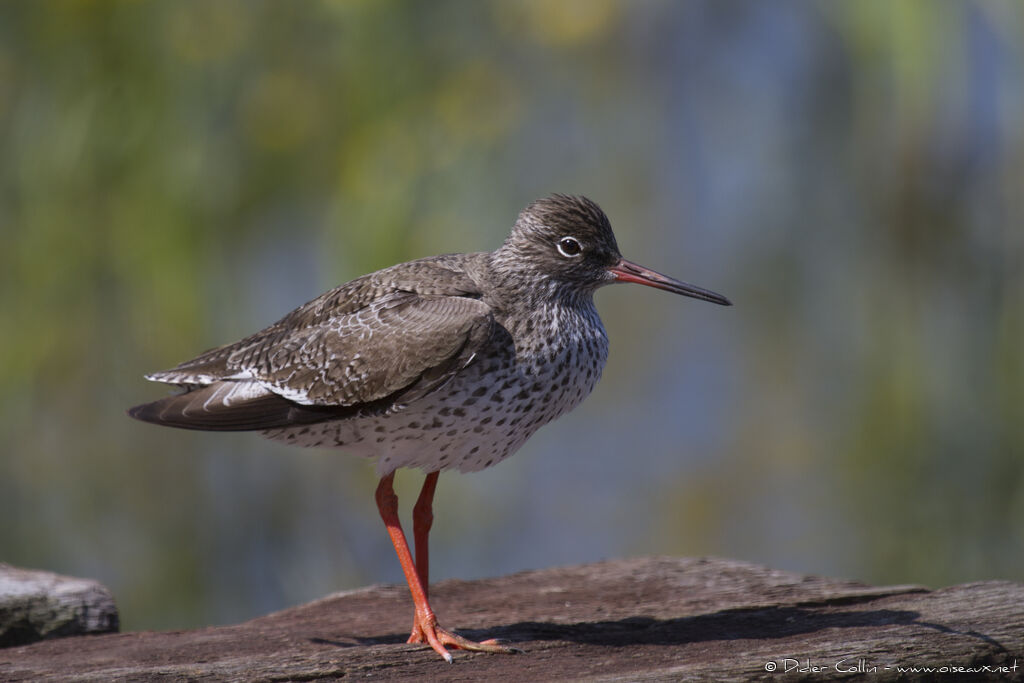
[(179, 174)]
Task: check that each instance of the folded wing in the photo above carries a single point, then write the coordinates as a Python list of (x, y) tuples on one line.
[(307, 368)]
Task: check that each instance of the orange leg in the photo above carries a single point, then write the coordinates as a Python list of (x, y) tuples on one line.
[(425, 624), (422, 520)]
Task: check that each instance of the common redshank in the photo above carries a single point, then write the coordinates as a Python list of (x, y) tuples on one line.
[(449, 362)]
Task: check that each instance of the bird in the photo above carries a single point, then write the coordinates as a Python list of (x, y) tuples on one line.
[(444, 363)]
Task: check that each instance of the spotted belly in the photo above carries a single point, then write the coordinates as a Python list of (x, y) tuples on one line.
[(480, 418)]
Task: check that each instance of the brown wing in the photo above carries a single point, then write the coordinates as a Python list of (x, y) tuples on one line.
[(397, 341), (396, 350), (324, 361), (440, 276)]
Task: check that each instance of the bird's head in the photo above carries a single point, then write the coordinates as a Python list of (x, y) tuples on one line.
[(566, 243)]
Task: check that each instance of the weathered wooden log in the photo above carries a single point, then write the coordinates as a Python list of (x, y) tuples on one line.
[(639, 619)]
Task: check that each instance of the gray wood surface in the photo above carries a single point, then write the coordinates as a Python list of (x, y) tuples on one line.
[(638, 619)]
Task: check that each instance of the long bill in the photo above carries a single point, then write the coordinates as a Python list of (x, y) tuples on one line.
[(627, 271)]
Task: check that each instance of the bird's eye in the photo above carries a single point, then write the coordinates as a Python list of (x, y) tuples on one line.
[(569, 246)]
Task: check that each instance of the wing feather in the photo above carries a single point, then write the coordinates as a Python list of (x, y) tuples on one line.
[(327, 361), (227, 406), (364, 356)]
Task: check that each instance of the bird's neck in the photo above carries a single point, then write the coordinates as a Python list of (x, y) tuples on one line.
[(516, 290)]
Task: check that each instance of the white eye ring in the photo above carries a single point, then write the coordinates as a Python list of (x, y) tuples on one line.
[(569, 247)]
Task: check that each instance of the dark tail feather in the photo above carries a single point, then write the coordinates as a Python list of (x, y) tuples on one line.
[(220, 407)]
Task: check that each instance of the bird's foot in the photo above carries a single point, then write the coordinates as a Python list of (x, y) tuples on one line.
[(437, 637)]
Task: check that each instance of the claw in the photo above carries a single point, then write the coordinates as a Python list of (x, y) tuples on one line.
[(438, 638)]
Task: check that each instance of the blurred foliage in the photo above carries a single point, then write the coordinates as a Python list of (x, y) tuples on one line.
[(179, 174)]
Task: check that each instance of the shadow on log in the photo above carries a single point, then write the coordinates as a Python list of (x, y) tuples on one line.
[(648, 618)]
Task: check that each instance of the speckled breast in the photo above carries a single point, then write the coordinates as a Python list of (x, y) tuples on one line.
[(487, 411)]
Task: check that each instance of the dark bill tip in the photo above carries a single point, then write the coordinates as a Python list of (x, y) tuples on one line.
[(627, 271)]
